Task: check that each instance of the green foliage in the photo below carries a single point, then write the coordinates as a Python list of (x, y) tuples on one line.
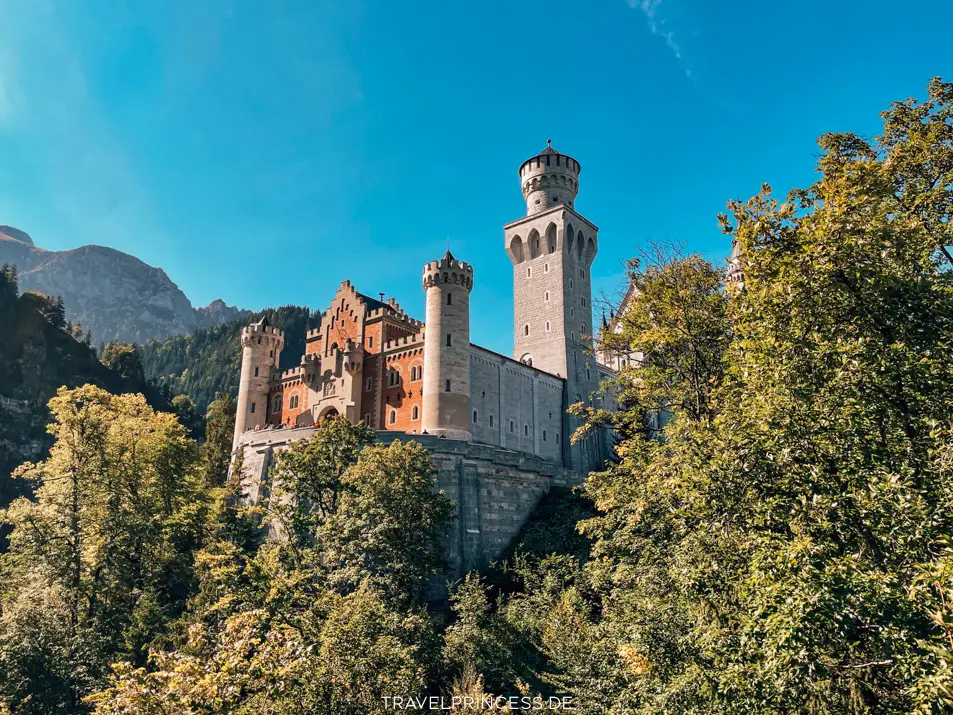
[(309, 478), (782, 543), (101, 560), (387, 530), (36, 358), (124, 359), (219, 432), (207, 363), (327, 621)]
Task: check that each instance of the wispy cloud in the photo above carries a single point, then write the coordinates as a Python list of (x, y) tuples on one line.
[(661, 18)]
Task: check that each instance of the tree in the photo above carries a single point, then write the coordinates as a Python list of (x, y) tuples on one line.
[(219, 432), (125, 360), (100, 562), (387, 531), (309, 477), (786, 547), (184, 410)]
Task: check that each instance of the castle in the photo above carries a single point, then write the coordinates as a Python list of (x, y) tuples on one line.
[(501, 419)]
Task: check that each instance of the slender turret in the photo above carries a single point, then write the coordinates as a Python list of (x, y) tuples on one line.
[(446, 393), (261, 348)]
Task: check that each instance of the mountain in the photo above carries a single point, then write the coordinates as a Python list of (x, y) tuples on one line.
[(206, 362), (37, 356), (110, 293)]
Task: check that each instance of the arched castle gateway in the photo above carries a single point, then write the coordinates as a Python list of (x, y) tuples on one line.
[(496, 425)]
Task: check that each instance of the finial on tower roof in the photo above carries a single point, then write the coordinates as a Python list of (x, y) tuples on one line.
[(549, 148), (605, 323)]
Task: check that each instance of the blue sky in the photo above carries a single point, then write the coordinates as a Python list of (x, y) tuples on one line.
[(263, 151)]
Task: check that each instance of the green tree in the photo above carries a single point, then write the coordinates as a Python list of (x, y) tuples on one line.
[(100, 562), (309, 477), (125, 360), (782, 544), (387, 531), (219, 432)]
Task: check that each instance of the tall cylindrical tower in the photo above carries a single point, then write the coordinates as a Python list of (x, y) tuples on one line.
[(261, 348), (549, 179), (446, 394)]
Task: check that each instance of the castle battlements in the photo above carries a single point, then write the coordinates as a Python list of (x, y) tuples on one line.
[(405, 341), (448, 270)]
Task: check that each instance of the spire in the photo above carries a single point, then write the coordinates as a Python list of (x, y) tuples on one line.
[(448, 256), (605, 324), (549, 148)]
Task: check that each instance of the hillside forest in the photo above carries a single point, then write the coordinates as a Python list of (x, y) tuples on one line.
[(783, 544)]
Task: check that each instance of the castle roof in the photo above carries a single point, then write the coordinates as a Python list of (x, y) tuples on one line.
[(373, 303), (549, 148), (264, 322)]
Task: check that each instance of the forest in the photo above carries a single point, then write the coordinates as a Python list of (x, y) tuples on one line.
[(783, 544)]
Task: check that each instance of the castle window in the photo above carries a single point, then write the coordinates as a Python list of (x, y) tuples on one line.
[(253, 408), (449, 298), (447, 387), (529, 272), (546, 268), (259, 340), (526, 329), (572, 335), (294, 402), (547, 326), (415, 413), (583, 299), (546, 296), (256, 372), (370, 341), (276, 405), (449, 339), (393, 416), (557, 438), (367, 419), (555, 200), (585, 328), (544, 435), (369, 384), (476, 417), (588, 375), (526, 430), (570, 284), (271, 353), (512, 427), (491, 420), (572, 312)]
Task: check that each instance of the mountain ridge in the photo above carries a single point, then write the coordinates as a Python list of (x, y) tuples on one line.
[(113, 294)]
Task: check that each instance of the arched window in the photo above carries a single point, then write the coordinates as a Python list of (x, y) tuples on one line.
[(570, 284), (551, 238), (393, 416), (546, 296), (572, 312), (491, 420), (526, 329), (449, 298), (256, 372), (516, 249), (544, 435), (276, 404), (476, 417), (512, 427), (526, 430), (369, 384), (415, 413)]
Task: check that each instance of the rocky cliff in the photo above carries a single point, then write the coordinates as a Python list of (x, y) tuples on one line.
[(112, 294)]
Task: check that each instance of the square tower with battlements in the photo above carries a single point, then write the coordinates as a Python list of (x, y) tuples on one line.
[(552, 249)]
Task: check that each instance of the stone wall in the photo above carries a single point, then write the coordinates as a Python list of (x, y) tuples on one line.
[(494, 489)]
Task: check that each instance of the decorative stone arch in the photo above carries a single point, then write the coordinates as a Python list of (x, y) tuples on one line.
[(534, 244), (580, 245), (527, 359), (551, 238), (516, 249), (590, 249), (569, 234)]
